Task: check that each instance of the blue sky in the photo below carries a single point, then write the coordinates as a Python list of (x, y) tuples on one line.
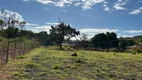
[(88, 16)]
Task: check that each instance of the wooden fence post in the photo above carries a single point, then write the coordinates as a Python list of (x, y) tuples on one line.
[(20, 48), (24, 49), (7, 52), (28, 48), (14, 50)]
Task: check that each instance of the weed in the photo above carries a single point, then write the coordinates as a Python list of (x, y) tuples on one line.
[(20, 57), (56, 66), (32, 65)]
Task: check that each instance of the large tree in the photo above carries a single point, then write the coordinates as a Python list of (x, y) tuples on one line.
[(61, 32), (100, 41), (108, 40), (113, 40)]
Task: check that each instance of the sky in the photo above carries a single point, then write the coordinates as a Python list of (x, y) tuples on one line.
[(90, 17)]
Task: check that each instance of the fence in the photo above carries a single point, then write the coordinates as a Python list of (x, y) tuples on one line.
[(9, 50)]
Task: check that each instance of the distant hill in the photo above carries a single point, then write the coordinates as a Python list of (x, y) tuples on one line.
[(137, 38)]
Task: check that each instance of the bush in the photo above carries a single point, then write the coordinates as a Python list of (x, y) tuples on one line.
[(138, 50), (112, 50)]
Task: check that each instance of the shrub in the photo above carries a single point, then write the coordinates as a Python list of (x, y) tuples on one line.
[(112, 50)]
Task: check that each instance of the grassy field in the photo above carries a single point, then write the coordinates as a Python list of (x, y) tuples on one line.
[(46, 64)]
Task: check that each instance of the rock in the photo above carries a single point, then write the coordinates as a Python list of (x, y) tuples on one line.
[(74, 54)]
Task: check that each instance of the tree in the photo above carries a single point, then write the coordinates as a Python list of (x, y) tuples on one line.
[(100, 41), (61, 32), (113, 40), (124, 42), (11, 32), (43, 38), (141, 40), (1, 23), (83, 37), (103, 41), (84, 42), (12, 24)]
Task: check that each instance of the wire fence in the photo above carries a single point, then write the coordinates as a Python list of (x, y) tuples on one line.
[(9, 50)]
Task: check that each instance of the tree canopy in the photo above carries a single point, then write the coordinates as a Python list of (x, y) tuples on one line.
[(108, 40), (62, 32)]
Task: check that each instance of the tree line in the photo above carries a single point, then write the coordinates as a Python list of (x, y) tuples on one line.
[(62, 33)]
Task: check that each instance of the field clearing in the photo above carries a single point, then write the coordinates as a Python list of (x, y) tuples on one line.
[(45, 64)]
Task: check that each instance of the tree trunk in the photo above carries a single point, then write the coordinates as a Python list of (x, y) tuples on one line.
[(61, 45), (61, 40)]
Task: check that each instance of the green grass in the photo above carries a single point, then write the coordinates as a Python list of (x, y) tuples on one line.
[(46, 64)]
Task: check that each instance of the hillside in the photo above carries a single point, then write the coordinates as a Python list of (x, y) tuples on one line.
[(137, 38)]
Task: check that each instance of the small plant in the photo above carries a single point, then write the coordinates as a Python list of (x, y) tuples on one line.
[(42, 73), (16, 73), (79, 61), (74, 67), (56, 66), (20, 57), (134, 52), (32, 65)]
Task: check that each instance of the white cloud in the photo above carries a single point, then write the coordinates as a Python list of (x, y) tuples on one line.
[(106, 8), (30, 24), (44, 1), (119, 7), (124, 35), (119, 4), (87, 4), (37, 29), (77, 4), (12, 15), (133, 31), (60, 3), (92, 32), (0, 14), (50, 23), (44, 28), (97, 30), (105, 2), (137, 11), (105, 5), (26, 0)]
